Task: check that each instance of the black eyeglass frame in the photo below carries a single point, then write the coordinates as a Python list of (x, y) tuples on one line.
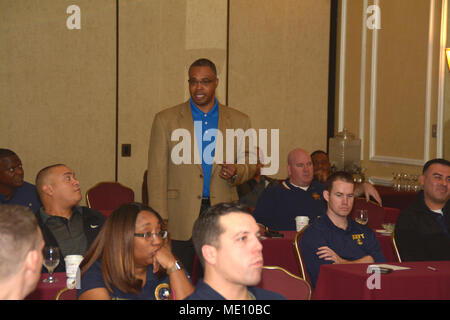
[(203, 82)]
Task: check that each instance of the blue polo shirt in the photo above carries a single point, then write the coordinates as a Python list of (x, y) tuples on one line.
[(25, 195), (205, 127), (204, 292), (352, 243), (154, 288), (278, 206)]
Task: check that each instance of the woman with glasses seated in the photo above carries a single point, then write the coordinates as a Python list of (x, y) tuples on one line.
[(131, 259)]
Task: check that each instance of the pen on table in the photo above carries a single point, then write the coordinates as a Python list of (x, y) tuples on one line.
[(431, 268)]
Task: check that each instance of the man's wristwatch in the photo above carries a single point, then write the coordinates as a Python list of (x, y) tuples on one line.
[(177, 266)]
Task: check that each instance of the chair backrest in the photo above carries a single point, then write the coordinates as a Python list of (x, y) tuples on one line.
[(391, 215), (297, 239), (394, 245), (376, 213), (66, 294), (280, 280), (107, 196), (145, 189)]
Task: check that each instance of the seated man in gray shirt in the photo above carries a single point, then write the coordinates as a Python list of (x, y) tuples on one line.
[(64, 224)]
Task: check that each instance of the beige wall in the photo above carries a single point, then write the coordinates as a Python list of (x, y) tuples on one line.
[(158, 41), (58, 86), (388, 82), (279, 69)]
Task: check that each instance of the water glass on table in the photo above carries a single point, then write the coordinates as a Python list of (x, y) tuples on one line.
[(51, 260), (362, 216)]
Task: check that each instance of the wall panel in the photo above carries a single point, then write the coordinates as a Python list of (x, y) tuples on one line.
[(158, 41), (398, 83), (279, 69), (57, 86)]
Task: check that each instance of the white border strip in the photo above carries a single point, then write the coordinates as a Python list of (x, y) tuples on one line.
[(362, 92), (373, 91), (342, 65), (426, 150), (441, 85)]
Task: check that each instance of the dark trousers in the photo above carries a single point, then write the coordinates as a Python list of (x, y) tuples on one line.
[(185, 251)]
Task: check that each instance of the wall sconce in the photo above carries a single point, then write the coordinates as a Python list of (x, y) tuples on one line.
[(447, 53)]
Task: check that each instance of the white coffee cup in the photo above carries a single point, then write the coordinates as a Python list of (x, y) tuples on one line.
[(72, 263), (301, 222)]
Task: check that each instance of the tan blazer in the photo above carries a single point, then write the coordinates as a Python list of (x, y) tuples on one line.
[(175, 190)]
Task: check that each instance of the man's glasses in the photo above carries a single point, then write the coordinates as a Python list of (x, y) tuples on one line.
[(152, 235), (203, 82)]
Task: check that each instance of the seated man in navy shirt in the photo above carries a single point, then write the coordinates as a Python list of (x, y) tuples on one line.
[(13, 189), (334, 237), (321, 165), (226, 239), (299, 195)]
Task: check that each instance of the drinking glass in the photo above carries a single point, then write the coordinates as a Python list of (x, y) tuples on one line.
[(397, 181), (362, 217), (417, 185), (51, 261), (394, 180)]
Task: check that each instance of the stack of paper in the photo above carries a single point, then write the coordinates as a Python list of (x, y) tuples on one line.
[(376, 267)]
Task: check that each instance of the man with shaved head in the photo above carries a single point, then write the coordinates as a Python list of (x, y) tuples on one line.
[(299, 195), (64, 224)]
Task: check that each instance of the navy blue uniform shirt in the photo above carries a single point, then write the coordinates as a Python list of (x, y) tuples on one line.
[(204, 292), (352, 243), (25, 195), (154, 288), (278, 206)]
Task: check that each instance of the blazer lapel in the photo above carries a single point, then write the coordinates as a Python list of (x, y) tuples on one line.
[(185, 120)]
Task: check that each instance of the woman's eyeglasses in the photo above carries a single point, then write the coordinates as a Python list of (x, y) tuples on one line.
[(152, 235)]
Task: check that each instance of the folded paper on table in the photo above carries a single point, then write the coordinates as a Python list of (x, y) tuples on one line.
[(384, 231), (373, 267)]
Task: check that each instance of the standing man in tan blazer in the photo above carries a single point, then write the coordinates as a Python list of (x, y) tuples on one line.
[(189, 167)]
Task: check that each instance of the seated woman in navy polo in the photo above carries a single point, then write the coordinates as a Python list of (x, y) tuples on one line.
[(127, 258), (334, 237)]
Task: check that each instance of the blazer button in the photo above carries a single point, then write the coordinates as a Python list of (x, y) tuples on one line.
[(199, 197), (201, 176)]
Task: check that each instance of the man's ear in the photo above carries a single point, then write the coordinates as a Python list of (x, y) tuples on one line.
[(47, 189), (209, 254), (421, 179), (31, 261), (326, 195)]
